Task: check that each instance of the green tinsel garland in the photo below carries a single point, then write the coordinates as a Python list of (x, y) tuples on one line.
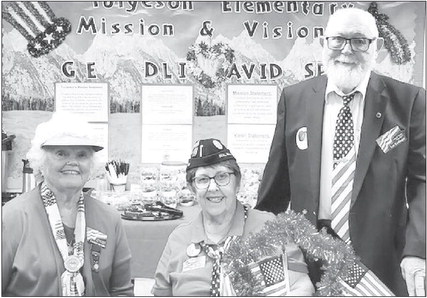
[(289, 227), (394, 41)]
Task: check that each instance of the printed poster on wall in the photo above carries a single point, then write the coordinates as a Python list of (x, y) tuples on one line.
[(250, 143), (166, 143), (89, 100), (252, 104), (251, 115), (167, 104), (167, 123), (205, 44)]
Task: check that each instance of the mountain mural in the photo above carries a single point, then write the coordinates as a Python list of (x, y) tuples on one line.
[(128, 61)]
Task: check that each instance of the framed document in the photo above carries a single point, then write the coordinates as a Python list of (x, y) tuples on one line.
[(166, 142), (251, 104), (89, 100), (250, 143), (167, 104)]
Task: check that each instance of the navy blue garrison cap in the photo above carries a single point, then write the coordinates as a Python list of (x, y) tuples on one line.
[(208, 152)]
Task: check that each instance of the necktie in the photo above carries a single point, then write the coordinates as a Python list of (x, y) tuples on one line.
[(215, 252), (344, 166)]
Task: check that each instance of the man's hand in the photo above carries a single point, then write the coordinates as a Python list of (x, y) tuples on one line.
[(414, 273)]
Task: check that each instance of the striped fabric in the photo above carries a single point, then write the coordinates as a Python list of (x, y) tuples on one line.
[(30, 18), (215, 252), (37, 23), (344, 156), (72, 282), (363, 282), (274, 275), (342, 185)]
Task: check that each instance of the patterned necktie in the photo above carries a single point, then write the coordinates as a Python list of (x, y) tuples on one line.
[(344, 155), (215, 252)]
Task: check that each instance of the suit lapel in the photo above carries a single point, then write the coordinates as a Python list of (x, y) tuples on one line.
[(375, 104), (314, 133)]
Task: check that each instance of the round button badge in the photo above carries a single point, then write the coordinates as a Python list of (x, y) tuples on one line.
[(72, 264), (193, 250)]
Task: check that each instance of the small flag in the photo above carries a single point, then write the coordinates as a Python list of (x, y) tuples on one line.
[(273, 270), (96, 237), (363, 282), (391, 139)]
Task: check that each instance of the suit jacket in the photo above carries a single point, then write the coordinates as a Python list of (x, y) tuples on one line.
[(32, 264), (387, 213)]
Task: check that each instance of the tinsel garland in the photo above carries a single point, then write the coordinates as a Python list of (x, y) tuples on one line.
[(218, 51), (41, 45), (49, 32), (394, 41), (289, 227)]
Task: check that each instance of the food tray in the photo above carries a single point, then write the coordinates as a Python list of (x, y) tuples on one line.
[(151, 218), (151, 212)]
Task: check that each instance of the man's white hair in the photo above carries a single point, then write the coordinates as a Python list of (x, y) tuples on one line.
[(367, 20)]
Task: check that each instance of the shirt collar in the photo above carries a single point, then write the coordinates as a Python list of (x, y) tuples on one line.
[(360, 88), (237, 225)]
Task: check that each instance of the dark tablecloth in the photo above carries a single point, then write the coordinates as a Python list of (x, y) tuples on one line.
[(147, 240)]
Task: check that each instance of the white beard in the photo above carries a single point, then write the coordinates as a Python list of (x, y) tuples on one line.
[(344, 77)]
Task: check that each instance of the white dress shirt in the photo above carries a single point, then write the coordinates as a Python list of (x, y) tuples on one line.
[(333, 104)]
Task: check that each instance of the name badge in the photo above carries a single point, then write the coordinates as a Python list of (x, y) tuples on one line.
[(194, 263)]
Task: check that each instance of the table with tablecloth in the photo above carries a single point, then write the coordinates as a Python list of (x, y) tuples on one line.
[(147, 240)]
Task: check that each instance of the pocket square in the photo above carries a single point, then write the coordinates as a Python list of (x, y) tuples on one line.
[(96, 237), (391, 139)]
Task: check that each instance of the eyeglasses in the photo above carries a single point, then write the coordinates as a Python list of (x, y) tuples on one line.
[(337, 43), (221, 179)]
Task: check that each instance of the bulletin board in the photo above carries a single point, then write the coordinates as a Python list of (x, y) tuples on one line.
[(208, 45)]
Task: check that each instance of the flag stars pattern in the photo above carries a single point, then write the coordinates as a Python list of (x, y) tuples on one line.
[(344, 131), (215, 252), (272, 271), (49, 38), (356, 273), (215, 280)]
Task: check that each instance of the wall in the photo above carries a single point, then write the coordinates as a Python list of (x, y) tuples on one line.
[(205, 44)]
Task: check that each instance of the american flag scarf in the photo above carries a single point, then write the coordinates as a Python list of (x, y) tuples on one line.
[(71, 279)]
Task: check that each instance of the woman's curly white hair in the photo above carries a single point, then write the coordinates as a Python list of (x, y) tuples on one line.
[(60, 125)]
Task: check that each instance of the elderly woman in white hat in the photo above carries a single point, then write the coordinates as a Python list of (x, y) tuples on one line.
[(191, 261), (57, 241)]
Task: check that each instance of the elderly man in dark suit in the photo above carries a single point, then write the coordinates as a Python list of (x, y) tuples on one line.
[(349, 152)]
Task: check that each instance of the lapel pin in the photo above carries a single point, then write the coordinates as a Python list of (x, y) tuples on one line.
[(378, 115), (193, 250)]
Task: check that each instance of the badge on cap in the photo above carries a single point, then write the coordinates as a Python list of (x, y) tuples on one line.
[(193, 250), (218, 144), (301, 138)]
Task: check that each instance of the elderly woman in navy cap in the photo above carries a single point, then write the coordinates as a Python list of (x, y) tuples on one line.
[(57, 241), (191, 261)]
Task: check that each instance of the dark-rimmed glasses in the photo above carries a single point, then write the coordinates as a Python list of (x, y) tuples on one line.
[(337, 43), (221, 179)]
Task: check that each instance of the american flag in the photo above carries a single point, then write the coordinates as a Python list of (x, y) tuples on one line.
[(274, 273), (391, 139), (363, 282)]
